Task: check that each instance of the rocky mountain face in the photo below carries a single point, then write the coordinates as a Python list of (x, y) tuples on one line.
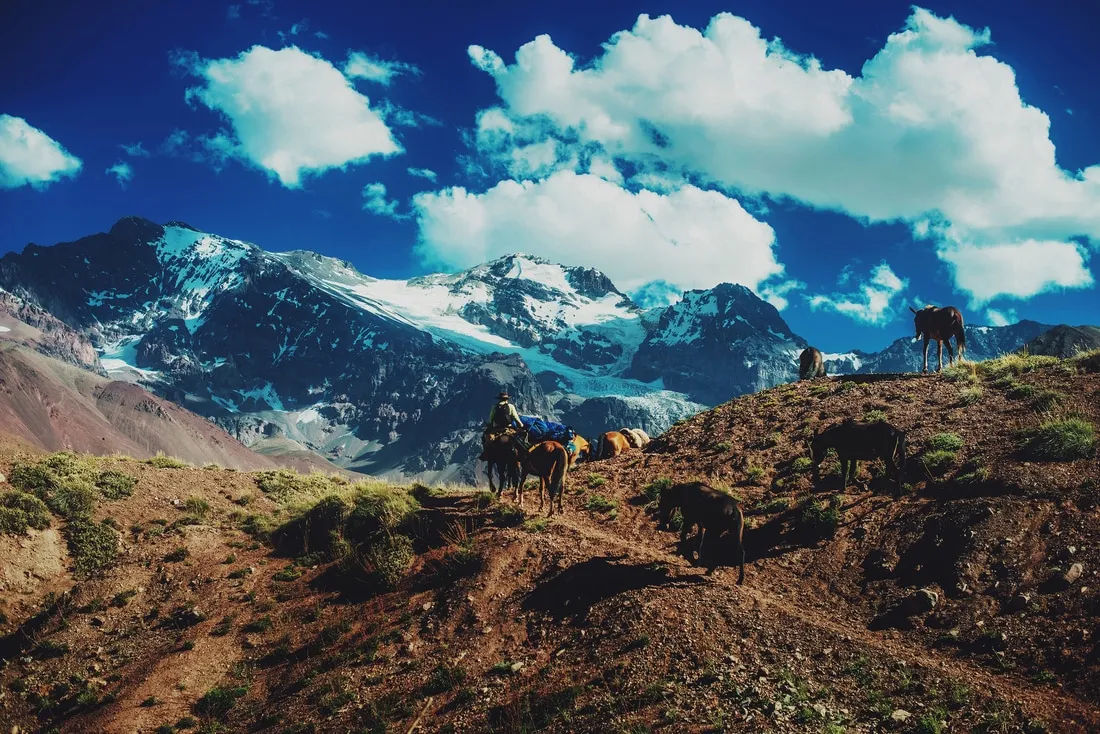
[(295, 350), (1065, 341), (718, 343)]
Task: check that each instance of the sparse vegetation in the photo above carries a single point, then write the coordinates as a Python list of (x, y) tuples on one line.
[(961, 372), (1065, 439), (723, 446), (652, 491), (444, 678), (177, 555), (20, 511), (971, 395), (754, 475), (945, 442), (217, 702), (819, 521), (160, 461), (92, 546), (599, 503), (290, 573), (595, 480), (196, 506), (536, 524), (1014, 364), (802, 465), (1045, 400), (114, 485), (937, 462), (874, 416)]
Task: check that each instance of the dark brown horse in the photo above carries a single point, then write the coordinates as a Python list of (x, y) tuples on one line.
[(940, 324), (503, 459), (549, 461), (811, 364)]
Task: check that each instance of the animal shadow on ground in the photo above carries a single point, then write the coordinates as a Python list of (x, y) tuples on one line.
[(575, 590)]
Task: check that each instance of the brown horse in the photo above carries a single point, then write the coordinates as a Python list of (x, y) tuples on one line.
[(940, 324), (611, 444), (549, 461), (811, 364), (578, 449), (502, 458)]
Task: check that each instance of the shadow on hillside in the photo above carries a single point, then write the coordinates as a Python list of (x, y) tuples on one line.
[(572, 592)]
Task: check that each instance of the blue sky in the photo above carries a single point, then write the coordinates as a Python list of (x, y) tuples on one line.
[(876, 155)]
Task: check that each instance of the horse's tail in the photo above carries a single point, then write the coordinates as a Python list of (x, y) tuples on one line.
[(960, 333), (558, 473)]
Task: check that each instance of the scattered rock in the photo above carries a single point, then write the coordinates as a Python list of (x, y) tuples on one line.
[(516, 667), (900, 715), (1074, 573), (3, 479), (97, 621), (920, 601)]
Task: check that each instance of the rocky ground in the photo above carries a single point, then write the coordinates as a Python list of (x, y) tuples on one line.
[(969, 602)]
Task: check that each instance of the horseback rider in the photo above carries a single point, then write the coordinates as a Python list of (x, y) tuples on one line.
[(502, 417)]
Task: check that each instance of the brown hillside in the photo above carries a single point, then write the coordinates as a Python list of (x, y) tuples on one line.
[(592, 622), (55, 406)]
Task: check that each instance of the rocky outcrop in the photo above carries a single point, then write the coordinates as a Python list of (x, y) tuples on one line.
[(1065, 341)]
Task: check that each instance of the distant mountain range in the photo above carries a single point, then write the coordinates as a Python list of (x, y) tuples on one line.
[(298, 352)]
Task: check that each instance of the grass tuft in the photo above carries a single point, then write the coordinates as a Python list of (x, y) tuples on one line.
[(1065, 439), (20, 511)]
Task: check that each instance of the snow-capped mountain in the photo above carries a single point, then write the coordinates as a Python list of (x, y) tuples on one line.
[(297, 350)]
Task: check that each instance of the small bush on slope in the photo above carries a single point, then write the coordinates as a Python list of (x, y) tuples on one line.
[(93, 547), (1065, 439), (20, 511), (160, 461)]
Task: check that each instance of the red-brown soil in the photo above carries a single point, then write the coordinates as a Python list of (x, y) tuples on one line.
[(595, 623)]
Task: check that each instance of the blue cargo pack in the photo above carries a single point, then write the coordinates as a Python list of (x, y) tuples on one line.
[(540, 429)]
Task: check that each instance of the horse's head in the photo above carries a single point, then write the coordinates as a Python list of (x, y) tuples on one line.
[(922, 320), (665, 505)]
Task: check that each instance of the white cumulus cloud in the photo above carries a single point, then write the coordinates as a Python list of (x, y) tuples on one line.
[(997, 317), (122, 171), (872, 302), (692, 238), (930, 132), (375, 201), (363, 66), (1018, 269), (291, 113), (29, 156), (422, 173)]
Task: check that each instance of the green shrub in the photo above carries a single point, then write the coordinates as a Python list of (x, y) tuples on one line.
[(536, 524), (754, 475), (971, 395), (723, 446), (936, 463), (599, 503), (1047, 400), (114, 485), (1015, 364), (652, 491), (380, 508), (768, 507), (316, 530), (595, 480), (196, 506), (1064, 439), (961, 372), (818, 521), (123, 598), (444, 678), (945, 442), (1087, 361), (262, 624), (177, 555), (160, 461), (802, 464), (20, 511), (217, 702), (289, 573), (284, 484), (1021, 391), (64, 481), (93, 547), (388, 559), (875, 416)]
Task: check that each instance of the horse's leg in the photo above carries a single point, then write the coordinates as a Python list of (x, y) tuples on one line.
[(925, 368), (939, 354), (702, 539), (950, 352), (489, 473), (844, 473)]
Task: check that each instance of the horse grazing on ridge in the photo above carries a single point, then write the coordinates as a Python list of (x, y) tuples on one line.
[(610, 445), (811, 364), (854, 441), (940, 324), (549, 461), (715, 513), (503, 459)]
